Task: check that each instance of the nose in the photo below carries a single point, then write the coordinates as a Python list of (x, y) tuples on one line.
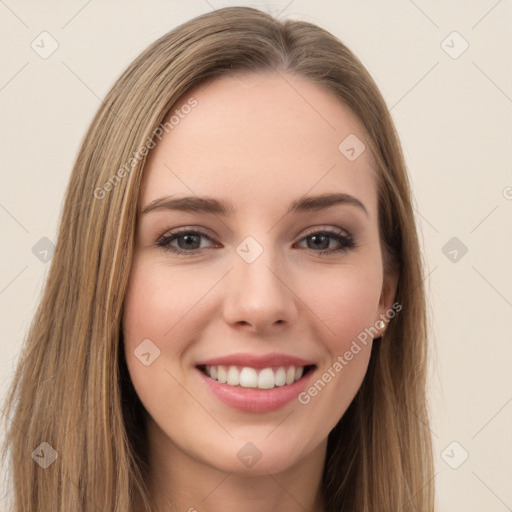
[(260, 296)]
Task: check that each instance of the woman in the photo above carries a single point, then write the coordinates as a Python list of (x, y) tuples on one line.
[(234, 315)]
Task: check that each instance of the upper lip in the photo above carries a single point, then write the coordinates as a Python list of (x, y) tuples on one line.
[(254, 361)]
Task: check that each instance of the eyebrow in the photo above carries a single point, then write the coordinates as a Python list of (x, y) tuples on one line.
[(226, 209)]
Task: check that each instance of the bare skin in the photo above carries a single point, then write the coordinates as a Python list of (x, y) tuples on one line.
[(255, 141)]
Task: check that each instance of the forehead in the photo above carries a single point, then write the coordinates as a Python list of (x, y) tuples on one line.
[(257, 139)]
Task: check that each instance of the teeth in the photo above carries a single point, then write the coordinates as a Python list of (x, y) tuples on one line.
[(221, 374), (266, 379), (280, 377), (233, 376), (248, 377)]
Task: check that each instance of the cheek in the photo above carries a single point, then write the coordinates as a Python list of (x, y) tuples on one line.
[(347, 310), (164, 307), (157, 302), (155, 309), (152, 309), (346, 302)]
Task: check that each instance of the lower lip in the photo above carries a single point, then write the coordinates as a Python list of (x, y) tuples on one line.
[(254, 399)]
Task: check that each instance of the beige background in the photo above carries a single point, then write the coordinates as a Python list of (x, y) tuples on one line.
[(454, 116)]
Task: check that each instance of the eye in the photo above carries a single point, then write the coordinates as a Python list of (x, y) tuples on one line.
[(187, 240), (322, 239)]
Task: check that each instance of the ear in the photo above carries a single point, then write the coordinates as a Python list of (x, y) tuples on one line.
[(387, 298)]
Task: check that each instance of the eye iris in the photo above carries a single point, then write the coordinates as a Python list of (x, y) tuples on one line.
[(318, 238), (189, 238)]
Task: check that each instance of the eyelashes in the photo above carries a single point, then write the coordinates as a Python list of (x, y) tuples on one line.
[(192, 238)]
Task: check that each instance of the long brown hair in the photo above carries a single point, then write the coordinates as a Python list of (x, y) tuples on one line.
[(72, 389)]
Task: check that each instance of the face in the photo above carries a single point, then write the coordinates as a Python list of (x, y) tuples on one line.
[(272, 290)]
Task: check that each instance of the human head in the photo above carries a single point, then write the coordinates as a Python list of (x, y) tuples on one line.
[(90, 269)]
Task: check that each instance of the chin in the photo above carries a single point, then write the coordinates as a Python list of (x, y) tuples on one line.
[(258, 457)]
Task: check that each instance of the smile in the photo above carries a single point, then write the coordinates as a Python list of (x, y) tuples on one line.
[(249, 377)]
